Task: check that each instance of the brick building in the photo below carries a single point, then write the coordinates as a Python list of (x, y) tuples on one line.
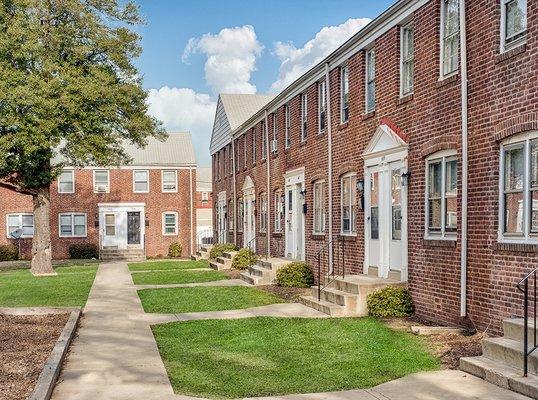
[(142, 207), (204, 206), (411, 150)]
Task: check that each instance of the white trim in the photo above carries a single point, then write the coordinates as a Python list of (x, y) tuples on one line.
[(322, 98), (367, 62), (442, 74), (518, 42), (72, 216), (107, 184), (20, 226), (352, 229), (304, 117), (135, 181), (65, 170), (287, 125), (323, 184), (344, 69), (278, 203), (176, 223), (403, 28), (163, 190)]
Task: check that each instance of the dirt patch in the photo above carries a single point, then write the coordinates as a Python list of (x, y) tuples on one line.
[(232, 273), (448, 347), (25, 345), (286, 293)]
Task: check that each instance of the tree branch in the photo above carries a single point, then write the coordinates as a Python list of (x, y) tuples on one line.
[(15, 188)]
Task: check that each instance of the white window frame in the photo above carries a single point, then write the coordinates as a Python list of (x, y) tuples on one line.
[(20, 226), (319, 185), (322, 105), (526, 236), (72, 216), (304, 117), (368, 80), (353, 221), (240, 214), (254, 155), (245, 151), (176, 224), (231, 219), (135, 171), (279, 211), (265, 133), (163, 189), (263, 212), (442, 73), (407, 61), (443, 157), (519, 41), (275, 132), (287, 123), (344, 91), (72, 173), (95, 171)]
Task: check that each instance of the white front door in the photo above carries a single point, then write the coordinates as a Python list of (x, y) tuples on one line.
[(121, 225), (221, 217), (295, 216), (385, 214), (249, 223)]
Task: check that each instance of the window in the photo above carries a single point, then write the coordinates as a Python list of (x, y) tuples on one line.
[(319, 207), (170, 223), (240, 214), (230, 215), (169, 181), (441, 192), (253, 145), (279, 210), (263, 212), (264, 140), (72, 225), (450, 36), (288, 125), (349, 204), (370, 80), (322, 106), (66, 181), (245, 151), (344, 94), (101, 183), (304, 116), (230, 160), (205, 197), (140, 181), (20, 221), (407, 63), (110, 224), (274, 143), (513, 23)]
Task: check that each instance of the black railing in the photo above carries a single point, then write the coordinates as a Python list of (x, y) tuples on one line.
[(251, 246), (203, 238), (523, 286), (325, 279)]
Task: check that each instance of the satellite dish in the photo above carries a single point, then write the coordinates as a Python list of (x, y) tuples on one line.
[(16, 234)]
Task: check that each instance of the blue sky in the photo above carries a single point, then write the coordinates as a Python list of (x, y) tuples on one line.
[(261, 49)]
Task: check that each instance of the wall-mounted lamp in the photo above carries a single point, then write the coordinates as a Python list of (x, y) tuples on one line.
[(303, 193), (360, 185), (96, 221), (405, 178)]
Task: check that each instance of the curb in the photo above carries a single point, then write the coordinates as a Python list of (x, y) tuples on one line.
[(51, 370)]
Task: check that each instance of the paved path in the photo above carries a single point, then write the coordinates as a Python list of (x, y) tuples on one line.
[(224, 282)]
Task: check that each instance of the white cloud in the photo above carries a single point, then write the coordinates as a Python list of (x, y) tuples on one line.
[(182, 109), (231, 58), (296, 61)]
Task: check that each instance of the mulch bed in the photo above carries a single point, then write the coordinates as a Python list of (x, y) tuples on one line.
[(25, 345), (286, 293)]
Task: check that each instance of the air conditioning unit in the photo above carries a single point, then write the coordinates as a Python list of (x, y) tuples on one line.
[(101, 188), (274, 145)]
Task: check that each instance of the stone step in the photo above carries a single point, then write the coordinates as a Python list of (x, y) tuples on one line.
[(252, 279), (272, 263), (508, 351), (326, 307), (229, 254), (226, 262), (258, 271), (513, 328), (501, 374), (216, 265), (337, 297), (206, 248)]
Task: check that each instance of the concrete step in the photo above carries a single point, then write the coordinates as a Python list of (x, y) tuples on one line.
[(337, 297), (326, 307), (227, 262), (229, 254), (272, 263), (501, 374), (264, 276), (513, 328), (354, 283), (206, 248), (216, 266), (195, 257), (510, 352), (251, 279)]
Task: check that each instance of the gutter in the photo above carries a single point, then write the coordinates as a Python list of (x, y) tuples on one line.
[(329, 162), (191, 207), (234, 193), (464, 159), (267, 157)]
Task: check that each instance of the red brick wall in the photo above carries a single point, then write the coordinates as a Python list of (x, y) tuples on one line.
[(121, 191)]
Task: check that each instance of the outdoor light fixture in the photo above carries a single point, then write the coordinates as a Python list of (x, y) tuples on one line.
[(405, 178), (303, 193), (360, 185), (96, 221)]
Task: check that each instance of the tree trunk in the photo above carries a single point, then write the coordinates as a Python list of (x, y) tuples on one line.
[(41, 251)]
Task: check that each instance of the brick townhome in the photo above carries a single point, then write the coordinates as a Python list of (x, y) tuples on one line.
[(367, 152), (142, 207)]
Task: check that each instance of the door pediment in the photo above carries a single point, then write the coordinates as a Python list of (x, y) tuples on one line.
[(384, 141)]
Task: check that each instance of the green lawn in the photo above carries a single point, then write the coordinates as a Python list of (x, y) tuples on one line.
[(276, 356), (18, 288), (177, 276), (192, 299), (154, 265)]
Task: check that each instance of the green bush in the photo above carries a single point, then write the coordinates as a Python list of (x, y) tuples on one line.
[(219, 249), (243, 259), (175, 250), (296, 274), (390, 301), (82, 251), (9, 252)]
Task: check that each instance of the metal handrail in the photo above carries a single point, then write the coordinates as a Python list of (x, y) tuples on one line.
[(331, 276), (523, 286), (251, 251)]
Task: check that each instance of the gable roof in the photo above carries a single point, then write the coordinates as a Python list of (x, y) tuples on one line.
[(176, 150), (203, 179)]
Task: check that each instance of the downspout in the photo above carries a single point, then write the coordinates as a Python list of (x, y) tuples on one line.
[(234, 192), (267, 157), (464, 160), (191, 207), (329, 163)]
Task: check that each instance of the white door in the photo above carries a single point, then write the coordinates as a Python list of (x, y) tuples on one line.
[(385, 217), (249, 223), (221, 218), (295, 218)]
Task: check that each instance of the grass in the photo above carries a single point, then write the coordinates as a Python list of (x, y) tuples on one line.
[(155, 265), (177, 276), (193, 299), (276, 356), (70, 288)]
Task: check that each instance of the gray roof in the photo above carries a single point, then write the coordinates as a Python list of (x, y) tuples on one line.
[(203, 179), (240, 107), (176, 150)]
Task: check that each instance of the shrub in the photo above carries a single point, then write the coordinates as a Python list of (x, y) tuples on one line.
[(9, 252), (243, 259), (219, 249), (83, 251), (390, 301), (175, 250), (296, 274)]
